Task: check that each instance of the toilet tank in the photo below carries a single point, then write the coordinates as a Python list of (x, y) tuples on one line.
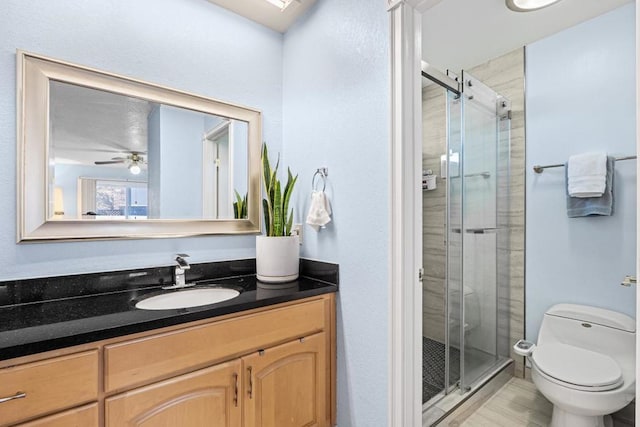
[(592, 328)]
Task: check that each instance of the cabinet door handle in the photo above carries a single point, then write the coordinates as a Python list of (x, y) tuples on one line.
[(18, 395), (250, 391), (235, 389)]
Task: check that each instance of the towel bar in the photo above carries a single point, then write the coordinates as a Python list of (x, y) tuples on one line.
[(540, 169)]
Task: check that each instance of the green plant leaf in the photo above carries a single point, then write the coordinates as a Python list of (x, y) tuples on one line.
[(276, 202), (267, 221), (266, 168), (277, 210), (288, 189), (243, 211), (287, 231), (240, 206), (268, 176)]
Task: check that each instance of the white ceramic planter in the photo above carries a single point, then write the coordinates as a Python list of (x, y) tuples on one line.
[(277, 258)]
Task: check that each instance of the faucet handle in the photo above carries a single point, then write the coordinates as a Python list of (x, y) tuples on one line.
[(182, 262)]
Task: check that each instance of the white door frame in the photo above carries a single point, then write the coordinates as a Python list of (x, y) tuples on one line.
[(638, 202), (405, 252), (405, 299), (209, 167)]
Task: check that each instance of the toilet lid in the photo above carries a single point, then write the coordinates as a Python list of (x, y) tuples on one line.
[(578, 366)]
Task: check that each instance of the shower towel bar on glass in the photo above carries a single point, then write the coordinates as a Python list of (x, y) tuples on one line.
[(471, 175), (475, 230), (540, 169)]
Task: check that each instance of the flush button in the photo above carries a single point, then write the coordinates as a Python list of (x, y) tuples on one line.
[(586, 325)]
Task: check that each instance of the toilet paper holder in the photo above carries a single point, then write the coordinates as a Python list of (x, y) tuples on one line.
[(524, 348)]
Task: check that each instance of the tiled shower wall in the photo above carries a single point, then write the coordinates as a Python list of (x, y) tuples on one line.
[(505, 75)]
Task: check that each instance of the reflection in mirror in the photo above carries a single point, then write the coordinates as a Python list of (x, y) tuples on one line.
[(102, 156), (116, 157)]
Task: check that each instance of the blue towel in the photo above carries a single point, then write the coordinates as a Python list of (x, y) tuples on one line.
[(588, 206)]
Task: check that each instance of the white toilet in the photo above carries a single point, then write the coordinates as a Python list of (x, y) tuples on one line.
[(584, 363)]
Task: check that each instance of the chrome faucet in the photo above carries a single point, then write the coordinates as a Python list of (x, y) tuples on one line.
[(180, 269), (179, 280)]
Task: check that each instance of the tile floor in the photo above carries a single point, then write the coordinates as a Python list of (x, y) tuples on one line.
[(518, 403)]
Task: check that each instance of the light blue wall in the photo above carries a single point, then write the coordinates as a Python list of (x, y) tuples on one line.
[(180, 162), (336, 114), (580, 97), (186, 44)]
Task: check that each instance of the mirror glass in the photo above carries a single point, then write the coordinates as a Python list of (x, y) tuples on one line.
[(116, 157), (106, 156)]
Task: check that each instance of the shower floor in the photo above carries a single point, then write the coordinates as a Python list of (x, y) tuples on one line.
[(433, 367)]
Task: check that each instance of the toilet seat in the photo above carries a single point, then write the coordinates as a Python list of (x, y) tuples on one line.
[(577, 368)]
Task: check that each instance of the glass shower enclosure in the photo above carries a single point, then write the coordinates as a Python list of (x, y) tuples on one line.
[(472, 205)]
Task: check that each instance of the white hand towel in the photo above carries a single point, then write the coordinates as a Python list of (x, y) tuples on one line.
[(587, 175), (319, 211)]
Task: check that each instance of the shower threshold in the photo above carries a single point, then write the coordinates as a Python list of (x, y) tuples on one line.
[(443, 406)]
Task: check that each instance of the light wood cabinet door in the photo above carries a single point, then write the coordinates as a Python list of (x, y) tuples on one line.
[(286, 385), (206, 398)]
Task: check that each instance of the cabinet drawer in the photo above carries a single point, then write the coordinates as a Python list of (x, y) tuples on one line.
[(49, 386), (143, 360), (86, 416)]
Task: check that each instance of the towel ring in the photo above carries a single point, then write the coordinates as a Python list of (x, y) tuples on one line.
[(323, 174)]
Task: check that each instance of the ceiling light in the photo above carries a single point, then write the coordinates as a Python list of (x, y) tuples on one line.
[(529, 5), (282, 4), (134, 168)]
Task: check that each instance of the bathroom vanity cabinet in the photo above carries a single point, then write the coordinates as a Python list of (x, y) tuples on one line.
[(273, 366)]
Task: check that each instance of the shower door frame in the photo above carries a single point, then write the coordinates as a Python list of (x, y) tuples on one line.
[(501, 107), (451, 84)]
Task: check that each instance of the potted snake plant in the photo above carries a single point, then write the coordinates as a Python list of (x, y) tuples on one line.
[(277, 252)]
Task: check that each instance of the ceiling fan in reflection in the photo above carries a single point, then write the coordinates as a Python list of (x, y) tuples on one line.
[(134, 160)]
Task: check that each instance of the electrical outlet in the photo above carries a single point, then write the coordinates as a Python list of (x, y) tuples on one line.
[(296, 229)]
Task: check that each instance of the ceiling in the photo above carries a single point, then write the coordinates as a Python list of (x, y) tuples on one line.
[(267, 14), (82, 124), (459, 34)]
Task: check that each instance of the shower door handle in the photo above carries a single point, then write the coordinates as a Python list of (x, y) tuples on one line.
[(481, 230)]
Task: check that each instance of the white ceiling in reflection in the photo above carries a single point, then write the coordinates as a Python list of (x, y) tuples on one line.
[(82, 124)]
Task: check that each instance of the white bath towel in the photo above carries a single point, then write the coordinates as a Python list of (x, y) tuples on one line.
[(320, 211), (587, 175)]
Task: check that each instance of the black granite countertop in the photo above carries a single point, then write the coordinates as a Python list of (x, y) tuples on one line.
[(47, 315)]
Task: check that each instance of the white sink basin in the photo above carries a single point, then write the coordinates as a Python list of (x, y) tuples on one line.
[(186, 299)]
